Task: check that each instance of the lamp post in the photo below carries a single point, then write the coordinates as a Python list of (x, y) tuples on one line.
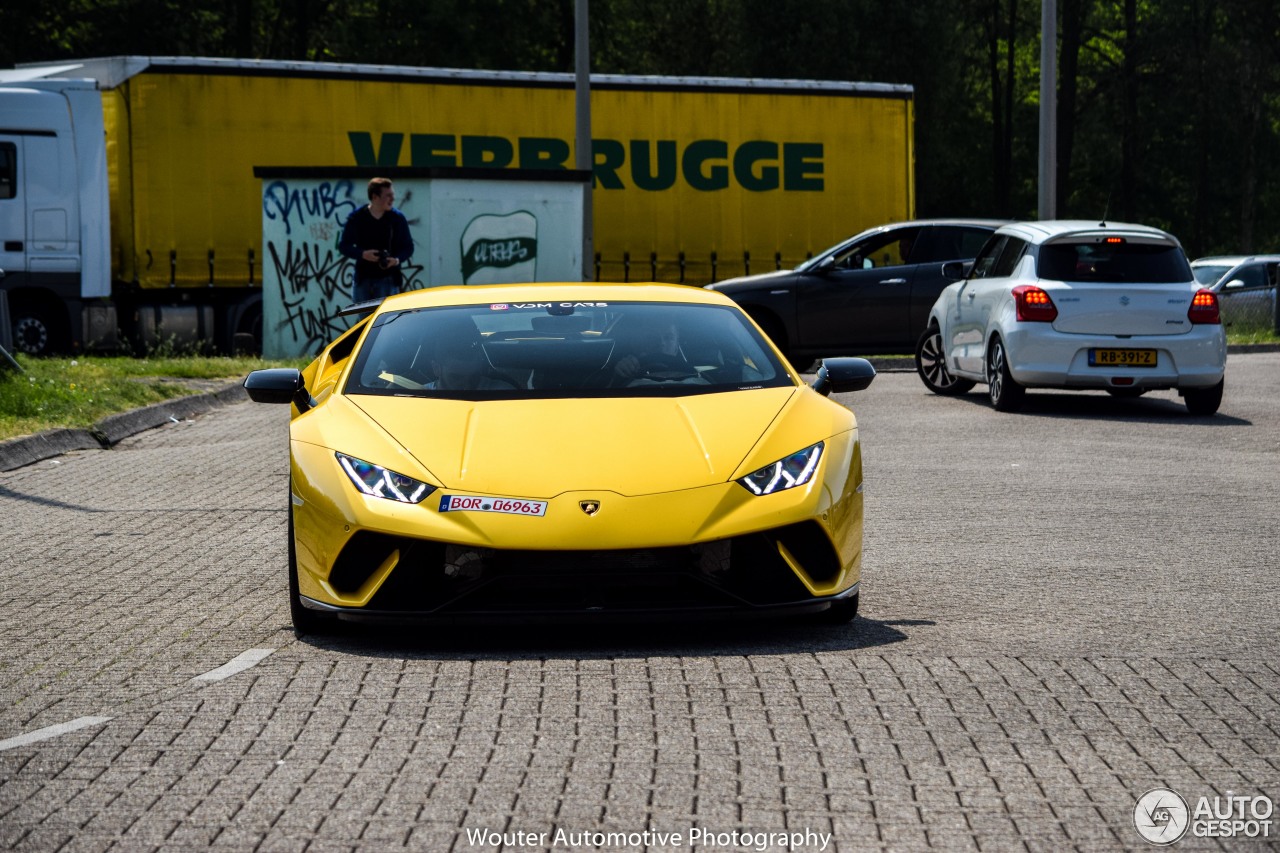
[(582, 127), (1048, 206)]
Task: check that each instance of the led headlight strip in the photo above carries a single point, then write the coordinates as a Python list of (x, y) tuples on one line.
[(378, 482), (795, 470)]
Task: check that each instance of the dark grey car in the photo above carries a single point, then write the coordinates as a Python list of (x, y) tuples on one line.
[(868, 295)]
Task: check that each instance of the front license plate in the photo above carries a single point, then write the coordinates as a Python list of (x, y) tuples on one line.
[(1122, 358), (477, 503)]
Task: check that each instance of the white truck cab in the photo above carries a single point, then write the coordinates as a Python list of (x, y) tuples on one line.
[(54, 215)]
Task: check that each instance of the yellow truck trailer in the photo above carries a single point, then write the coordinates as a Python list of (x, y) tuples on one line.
[(695, 179)]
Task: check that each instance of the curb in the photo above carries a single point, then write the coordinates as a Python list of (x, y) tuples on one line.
[(890, 364), (1240, 348), (111, 430)]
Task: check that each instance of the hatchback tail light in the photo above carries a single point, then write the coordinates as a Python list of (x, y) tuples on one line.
[(1204, 308), (1034, 304)]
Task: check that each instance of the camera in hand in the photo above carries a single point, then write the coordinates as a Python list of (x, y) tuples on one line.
[(384, 259)]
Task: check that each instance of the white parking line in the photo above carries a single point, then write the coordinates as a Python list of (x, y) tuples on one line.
[(51, 731), (237, 664)]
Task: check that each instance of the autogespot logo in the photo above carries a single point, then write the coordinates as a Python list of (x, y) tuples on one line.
[(1161, 816)]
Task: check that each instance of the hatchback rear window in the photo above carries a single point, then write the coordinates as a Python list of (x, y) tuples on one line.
[(1120, 262)]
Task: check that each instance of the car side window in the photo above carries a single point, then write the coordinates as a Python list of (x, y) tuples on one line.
[(892, 249), (1012, 252), (984, 264), (942, 243), (1254, 275), (8, 170), (971, 241)]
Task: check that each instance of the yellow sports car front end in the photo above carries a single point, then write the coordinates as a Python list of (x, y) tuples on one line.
[(552, 451)]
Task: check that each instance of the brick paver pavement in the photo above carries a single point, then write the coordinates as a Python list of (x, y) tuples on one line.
[(1062, 610)]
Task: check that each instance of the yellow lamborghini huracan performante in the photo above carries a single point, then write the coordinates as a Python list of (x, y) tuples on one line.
[(564, 450)]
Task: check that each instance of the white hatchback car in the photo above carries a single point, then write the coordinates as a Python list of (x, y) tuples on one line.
[(1076, 305)]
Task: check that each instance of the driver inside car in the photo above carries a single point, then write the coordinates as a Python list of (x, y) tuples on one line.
[(460, 363), (655, 352)]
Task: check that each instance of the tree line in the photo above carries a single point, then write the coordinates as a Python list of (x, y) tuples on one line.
[(1168, 111)]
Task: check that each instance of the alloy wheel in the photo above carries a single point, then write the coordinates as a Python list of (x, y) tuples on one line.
[(932, 365), (1005, 392)]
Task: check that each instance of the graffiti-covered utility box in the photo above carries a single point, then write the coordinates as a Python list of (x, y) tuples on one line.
[(469, 226)]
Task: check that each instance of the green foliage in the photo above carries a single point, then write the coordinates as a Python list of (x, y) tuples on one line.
[(1253, 336), (78, 392)]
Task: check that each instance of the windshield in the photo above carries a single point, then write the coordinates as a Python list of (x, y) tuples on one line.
[(543, 350), (1208, 275)]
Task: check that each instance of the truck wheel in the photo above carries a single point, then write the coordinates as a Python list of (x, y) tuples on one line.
[(247, 339), (36, 332)]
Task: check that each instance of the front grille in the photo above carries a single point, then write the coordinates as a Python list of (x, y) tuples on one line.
[(444, 579)]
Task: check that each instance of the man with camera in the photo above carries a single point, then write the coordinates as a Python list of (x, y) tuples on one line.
[(377, 238)]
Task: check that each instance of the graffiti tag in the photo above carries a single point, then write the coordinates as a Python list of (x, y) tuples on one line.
[(325, 201)]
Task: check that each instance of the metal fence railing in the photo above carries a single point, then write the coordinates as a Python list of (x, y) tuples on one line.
[(1250, 310), (688, 269)]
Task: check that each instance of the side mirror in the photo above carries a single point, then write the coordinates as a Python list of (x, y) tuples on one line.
[(1234, 284), (842, 375), (278, 385), (824, 266), (956, 270)]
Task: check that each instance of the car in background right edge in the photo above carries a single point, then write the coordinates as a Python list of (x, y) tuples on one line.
[(1246, 288), (1076, 305)]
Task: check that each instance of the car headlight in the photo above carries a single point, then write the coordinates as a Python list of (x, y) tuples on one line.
[(378, 482), (795, 470)]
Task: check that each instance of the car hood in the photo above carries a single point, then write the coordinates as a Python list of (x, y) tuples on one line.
[(542, 448), (748, 282)]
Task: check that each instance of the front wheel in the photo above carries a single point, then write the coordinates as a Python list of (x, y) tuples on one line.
[(1005, 392), (932, 366), (772, 327), (1203, 401)]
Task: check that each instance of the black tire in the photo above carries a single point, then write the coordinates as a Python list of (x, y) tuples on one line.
[(1005, 392), (772, 328), (1203, 401), (842, 611), (304, 621), (932, 366), (37, 331), (250, 325), (1126, 393)]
